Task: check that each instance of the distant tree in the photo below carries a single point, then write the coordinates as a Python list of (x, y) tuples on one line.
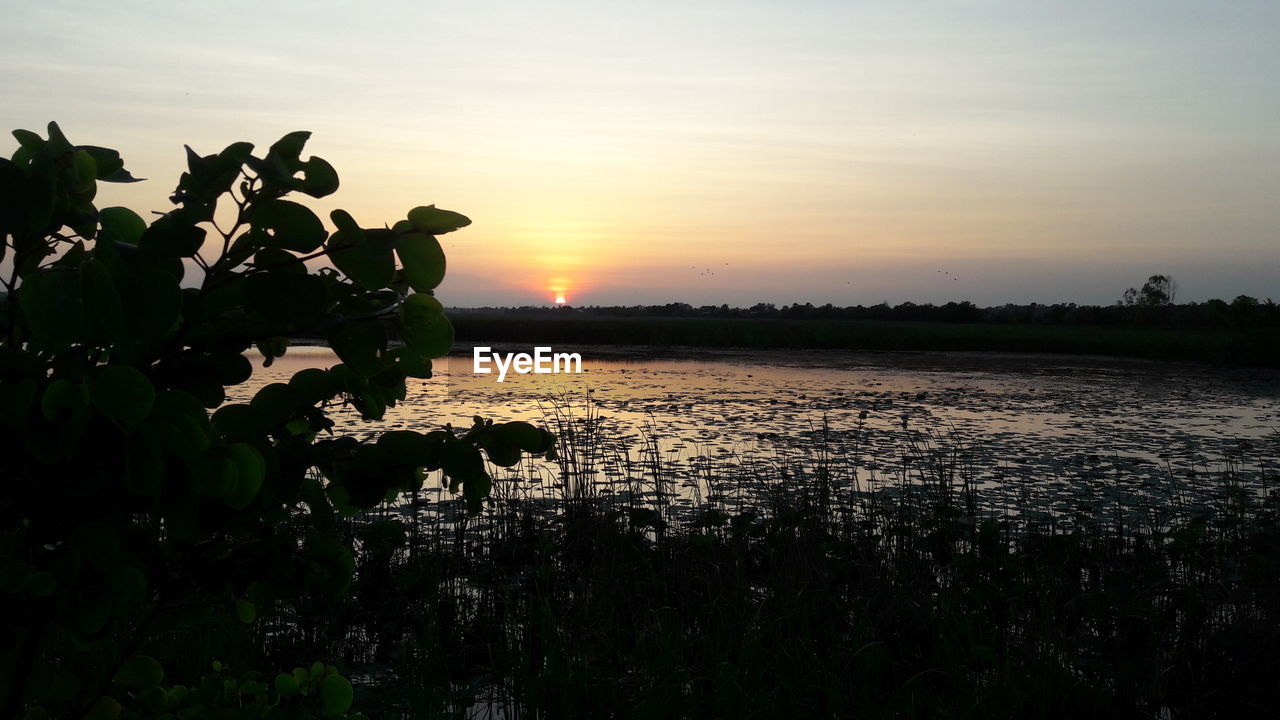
[(1157, 291), (1245, 310)]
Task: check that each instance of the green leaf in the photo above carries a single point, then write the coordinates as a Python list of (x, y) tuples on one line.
[(434, 221), (139, 672), (239, 422), (231, 367), (475, 489), (29, 140), (252, 687), (360, 345), (277, 260), (505, 441), (121, 176), (153, 304), (371, 406), (110, 166), (63, 400), (58, 142), (218, 475), (275, 403), (235, 154), (41, 197), (319, 178), (172, 237), (124, 222), (13, 208), (407, 447), (103, 307), (83, 173), (423, 260), (207, 178), (424, 327), (411, 363), (524, 436), (251, 469), (122, 394), (312, 385), (352, 252), (501, 452), (297, 301), (336, 695), (106, 708), (286, 685), (461, 461), (186, 417), (287, 225), (50, 301), (289, 148), (271, 348), (245, 611)]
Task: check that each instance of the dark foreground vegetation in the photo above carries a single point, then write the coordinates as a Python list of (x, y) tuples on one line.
[(805, 591), (817, 594), (137, 503), (1224, 345)]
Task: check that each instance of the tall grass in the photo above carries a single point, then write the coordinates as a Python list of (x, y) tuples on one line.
[(634, 583)]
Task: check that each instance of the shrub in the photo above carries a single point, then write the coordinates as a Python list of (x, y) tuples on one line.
[(136, 502)]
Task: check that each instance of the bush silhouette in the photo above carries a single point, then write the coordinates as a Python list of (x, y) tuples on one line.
[(136, 502)]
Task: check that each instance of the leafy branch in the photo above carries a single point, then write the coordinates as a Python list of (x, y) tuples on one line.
[(138, 502)]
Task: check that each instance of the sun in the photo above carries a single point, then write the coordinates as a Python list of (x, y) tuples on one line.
[(559, 289)]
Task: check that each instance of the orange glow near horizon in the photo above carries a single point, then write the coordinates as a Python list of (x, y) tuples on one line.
[(851, 153), (559, 288)]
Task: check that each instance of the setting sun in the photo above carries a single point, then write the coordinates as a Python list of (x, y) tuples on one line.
[(559, 289)]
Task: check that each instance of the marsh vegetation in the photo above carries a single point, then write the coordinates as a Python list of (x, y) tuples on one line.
[(810, 590), (883, 561)]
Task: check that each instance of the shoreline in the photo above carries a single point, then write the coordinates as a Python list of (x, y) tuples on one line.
[(941, 360)]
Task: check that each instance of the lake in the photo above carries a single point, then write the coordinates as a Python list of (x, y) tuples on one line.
[(1044, 434)]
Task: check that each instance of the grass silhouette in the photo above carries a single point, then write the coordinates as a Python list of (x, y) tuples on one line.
[(806, 590)]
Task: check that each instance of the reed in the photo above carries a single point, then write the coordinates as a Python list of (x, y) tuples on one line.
[(641, 583)]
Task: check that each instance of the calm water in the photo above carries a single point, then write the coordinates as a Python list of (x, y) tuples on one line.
[(1058, 434)]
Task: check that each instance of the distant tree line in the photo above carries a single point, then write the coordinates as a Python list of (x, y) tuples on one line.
[(1151, 305)]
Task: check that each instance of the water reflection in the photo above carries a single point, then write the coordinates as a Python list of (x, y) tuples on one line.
[(1061, 436)]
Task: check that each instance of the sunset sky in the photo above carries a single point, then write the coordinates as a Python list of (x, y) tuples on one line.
[(719, 152)]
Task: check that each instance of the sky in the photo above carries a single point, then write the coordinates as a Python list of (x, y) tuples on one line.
[(718, 152)]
